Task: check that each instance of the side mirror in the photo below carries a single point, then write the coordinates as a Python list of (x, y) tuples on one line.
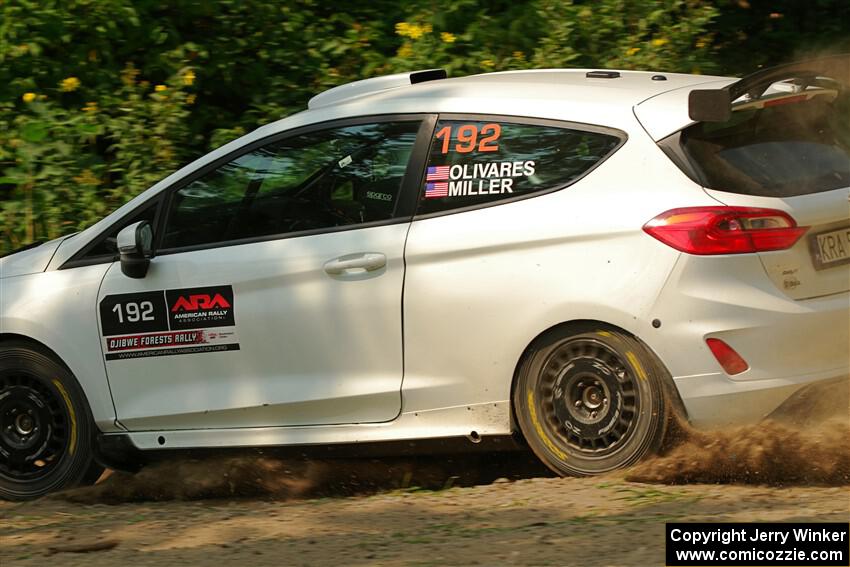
[(135, 248)]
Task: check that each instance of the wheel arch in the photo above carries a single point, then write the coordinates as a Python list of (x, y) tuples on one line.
[(7, 338), (577, 326)]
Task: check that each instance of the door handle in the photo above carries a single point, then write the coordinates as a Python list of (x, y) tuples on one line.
[(368, 262)]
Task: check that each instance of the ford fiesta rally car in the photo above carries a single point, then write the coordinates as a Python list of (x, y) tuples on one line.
[(565, 257)]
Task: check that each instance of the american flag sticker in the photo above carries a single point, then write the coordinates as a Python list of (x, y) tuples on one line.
[(438, 173), (434, 190)]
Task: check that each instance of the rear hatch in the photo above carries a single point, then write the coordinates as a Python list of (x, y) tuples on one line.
[(783, 142)]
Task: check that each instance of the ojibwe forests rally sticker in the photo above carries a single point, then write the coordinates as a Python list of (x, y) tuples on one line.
[(168, 322), (472, 178)]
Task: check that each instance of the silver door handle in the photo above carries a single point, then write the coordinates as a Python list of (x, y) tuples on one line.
[(370, 262)]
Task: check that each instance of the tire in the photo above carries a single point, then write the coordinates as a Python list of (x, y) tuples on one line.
[(590, 401), (46, 429)]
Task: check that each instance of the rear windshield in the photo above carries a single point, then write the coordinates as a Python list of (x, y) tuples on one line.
[(793, 147)]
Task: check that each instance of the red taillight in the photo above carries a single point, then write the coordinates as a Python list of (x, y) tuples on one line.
[(725, 230), (730, 360)]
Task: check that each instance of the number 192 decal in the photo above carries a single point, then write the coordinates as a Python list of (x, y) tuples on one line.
[(142, 311), (468, 141)]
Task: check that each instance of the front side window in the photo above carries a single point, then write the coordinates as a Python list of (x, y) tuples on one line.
[(330, 178), (479, 162)]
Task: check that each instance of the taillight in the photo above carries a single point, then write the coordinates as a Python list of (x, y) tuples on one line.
[(725, 230), (731, 361)]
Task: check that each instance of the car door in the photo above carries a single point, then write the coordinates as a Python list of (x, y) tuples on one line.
[(274, 297)]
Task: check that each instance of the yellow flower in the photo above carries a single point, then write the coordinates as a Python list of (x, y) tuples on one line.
[(28, 97), (188, 78), (413, 31), (90, 106), (405, 50), (659, 42), (448, 37), (160, 88), (70, 84), (519, 55), (190, 99), (632, 50), (487, 63)]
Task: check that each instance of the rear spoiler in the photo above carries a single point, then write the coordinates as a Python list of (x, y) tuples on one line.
[(715, 105)]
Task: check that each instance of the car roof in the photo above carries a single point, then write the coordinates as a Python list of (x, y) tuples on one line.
[(558, 94), (627, 88)]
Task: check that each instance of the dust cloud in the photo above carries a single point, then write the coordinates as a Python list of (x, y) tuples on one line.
[(805, 442), (261, 476)]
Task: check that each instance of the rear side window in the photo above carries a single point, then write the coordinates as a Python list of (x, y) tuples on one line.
[(479, 162), (796, 145)]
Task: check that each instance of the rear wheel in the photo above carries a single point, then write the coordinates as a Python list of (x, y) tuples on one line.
[(46, 430), (590, 402)]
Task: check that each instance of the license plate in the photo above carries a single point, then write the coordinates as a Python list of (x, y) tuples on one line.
[(830, 248)]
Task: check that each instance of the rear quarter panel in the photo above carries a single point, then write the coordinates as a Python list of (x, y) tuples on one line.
[(481, 285)]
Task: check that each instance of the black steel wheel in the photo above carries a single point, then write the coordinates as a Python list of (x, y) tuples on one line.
[(46, 430), (590, 401)]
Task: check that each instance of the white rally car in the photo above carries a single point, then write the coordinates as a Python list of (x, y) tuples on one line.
[(563, 257)]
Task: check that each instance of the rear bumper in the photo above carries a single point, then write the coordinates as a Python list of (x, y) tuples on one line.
[(787, 344), (713, 400)]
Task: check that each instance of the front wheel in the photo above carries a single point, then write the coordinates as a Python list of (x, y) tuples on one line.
[(46, 430), (590, 402)]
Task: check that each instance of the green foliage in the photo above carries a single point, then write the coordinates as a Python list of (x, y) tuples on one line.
[(101, 98)]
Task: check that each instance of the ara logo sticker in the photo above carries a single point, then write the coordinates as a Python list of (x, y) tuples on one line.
[(197, 302), (198, 308)]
